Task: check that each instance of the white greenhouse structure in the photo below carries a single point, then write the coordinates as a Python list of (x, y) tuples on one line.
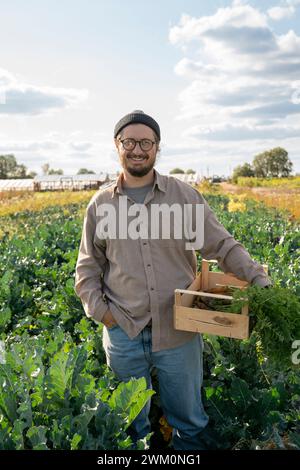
[(57, 182)]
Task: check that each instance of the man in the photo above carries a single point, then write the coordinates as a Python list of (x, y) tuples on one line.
[(128, 283)]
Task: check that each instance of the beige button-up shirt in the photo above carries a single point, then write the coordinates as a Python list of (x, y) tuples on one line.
[(136, 278)]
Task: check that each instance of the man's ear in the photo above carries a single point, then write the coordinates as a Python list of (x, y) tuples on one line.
[(116, 143)]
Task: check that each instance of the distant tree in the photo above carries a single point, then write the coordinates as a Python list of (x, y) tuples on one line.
[(175, 171), (280, 164), (190, 172), (8, 164), (9, 168), (31, 174), (55, 172), (273, 163), (50, 171), (20, 171), (242, 170), (85, 171)]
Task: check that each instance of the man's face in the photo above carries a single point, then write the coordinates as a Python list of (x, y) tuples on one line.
[(137, 162)]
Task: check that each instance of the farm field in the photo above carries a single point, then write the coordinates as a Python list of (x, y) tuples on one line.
[(56, 391), (20, 201), (282, 193)]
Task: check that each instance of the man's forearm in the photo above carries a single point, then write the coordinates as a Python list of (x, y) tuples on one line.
[(232, 257), (239, 262)]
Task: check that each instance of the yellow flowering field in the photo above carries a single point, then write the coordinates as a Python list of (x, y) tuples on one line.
[(18, 201), (237, 203), (292, 182), (283, 198)]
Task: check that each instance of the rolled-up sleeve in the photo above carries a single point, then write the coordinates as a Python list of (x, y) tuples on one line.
[(89, 271), (231, 255)]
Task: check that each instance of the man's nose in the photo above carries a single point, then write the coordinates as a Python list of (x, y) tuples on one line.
[(137, 150)]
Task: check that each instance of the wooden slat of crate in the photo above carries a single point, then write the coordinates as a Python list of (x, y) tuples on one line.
[(212, 278), (188, 299), (231, 325), (220, 279)]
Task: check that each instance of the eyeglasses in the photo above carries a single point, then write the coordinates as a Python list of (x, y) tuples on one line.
[(145, 144)]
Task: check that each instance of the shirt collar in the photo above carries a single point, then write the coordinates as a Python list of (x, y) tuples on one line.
[(159, 180)]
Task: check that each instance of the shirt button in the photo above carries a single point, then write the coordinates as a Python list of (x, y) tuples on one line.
[(152, 288), (144, 243), (149, 265)]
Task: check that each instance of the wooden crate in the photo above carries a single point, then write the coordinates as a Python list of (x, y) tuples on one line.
[(210, 285)]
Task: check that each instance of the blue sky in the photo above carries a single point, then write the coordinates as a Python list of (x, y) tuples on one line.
[(221, 78)]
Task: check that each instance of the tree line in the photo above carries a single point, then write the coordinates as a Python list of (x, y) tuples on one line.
[(274, 163), (11, 169)]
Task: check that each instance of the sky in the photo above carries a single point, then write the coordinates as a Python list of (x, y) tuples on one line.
[(222, 79)]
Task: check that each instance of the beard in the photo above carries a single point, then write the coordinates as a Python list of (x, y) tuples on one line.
[(141, 170)]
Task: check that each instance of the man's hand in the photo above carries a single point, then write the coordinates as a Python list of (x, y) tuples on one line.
[(108, 320)]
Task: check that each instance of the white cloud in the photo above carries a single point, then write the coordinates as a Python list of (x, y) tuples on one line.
[(81, 146), (24, 99), (237, 16), (278, 13), (286, 10), (61, 151), (28, 146), (229, 132), (242, 80), (192, 69)]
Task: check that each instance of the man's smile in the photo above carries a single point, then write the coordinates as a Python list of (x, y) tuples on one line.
[(138, 159)]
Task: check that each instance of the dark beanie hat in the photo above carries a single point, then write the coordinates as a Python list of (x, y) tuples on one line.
[(137, 117)]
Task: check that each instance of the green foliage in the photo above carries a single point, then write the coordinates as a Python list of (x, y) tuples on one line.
[(54, 402), (85, 171), (56, 391), (272, 163), (269, 237), (275, 314), (127, 401), (242, 170), (251, 405), (9, 168)]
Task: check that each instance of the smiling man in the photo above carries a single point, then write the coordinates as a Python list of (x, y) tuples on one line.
[(137, 154), (128, 283)]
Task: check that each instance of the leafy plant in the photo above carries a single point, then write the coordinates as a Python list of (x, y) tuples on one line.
[(275, 315), (61, 406)]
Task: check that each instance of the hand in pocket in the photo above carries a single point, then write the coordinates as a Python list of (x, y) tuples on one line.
[(108, 319)]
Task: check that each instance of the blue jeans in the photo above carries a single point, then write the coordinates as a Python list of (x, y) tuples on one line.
[(179, 371)]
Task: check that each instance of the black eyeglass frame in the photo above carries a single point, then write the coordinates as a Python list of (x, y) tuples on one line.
[(137, 142)]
